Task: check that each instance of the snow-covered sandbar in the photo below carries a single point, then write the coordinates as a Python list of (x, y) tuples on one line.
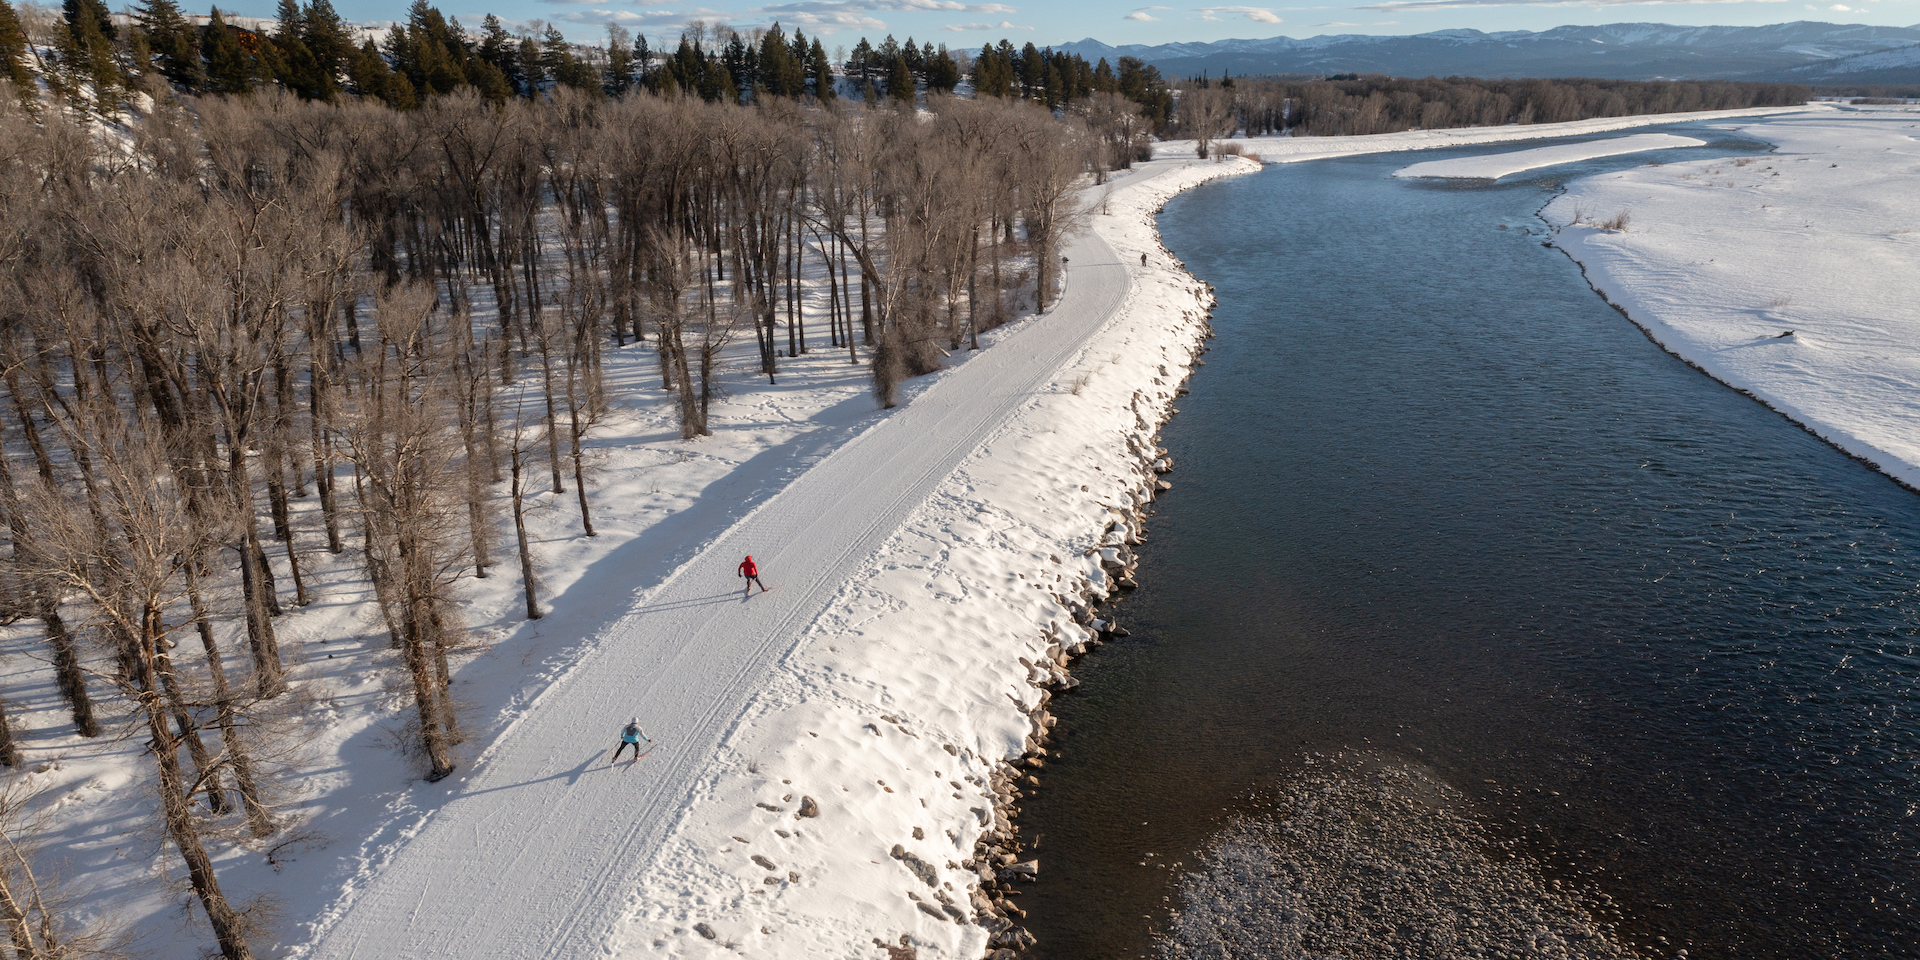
[(1497, 165), (1788, 275)]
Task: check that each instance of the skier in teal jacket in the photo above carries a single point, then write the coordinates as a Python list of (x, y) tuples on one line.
[(630, 737)]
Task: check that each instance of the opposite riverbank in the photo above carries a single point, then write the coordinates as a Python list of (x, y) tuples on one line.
[(1788, 276)]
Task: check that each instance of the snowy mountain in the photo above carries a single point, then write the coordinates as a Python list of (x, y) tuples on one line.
[(1804, 52)]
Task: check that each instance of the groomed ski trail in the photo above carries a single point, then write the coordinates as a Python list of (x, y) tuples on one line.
[(530, 851)]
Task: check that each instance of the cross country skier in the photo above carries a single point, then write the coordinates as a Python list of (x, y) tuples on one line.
[(752, 573), (630, 737)]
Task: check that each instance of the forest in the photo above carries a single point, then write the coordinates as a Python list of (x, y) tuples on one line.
[(1353, 105)]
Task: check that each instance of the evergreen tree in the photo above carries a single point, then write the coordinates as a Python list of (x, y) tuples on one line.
[(298, 69), (13, 52), (821, 71), (171, 40), (498, 48), (85, 51), (491, 83), (860, 63), (229, 69), (81, 12), (943, 74), (619, 61), (780, 73), (372, 77), (532, 71), (329, 40), (900, 80), (566, 69)]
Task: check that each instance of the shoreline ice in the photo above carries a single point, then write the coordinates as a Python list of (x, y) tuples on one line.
[(1721, 257), (1495, 166)]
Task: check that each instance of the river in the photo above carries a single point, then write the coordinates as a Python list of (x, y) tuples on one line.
[(1478, 625)]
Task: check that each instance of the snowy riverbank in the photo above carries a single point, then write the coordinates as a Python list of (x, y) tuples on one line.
[(1519, 161), (1296, 149), (1722, 257)]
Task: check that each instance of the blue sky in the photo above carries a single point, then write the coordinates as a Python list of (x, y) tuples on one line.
[(959, 23)]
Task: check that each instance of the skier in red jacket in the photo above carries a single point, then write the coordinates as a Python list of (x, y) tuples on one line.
[(752, 575)]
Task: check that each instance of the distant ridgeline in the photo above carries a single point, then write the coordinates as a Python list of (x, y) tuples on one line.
[(1351, 105), (309, 50)]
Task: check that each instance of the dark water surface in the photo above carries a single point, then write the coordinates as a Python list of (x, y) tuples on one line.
[(1436, 504)]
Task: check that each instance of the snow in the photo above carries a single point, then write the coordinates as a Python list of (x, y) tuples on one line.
[(1497, 165), (1820, 237), (1295, 149), (898, 593), (906, 547)]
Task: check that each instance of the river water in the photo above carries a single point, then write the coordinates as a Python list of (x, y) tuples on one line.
[(1477, 625)]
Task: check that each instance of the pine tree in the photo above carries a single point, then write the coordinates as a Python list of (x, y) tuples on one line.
[(329, 40), (498, 48), (86, 53), (298, 69), (943, 74), (371, 77), (170, 39), (13, 52), (229, 69), (821, 71), (619, 60), (900, 80)]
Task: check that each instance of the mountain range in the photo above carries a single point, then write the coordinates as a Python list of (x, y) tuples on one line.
[(1802, 52)]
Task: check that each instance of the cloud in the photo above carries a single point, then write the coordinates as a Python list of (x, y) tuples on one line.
[(967, 27), (1377, 23), (1403, 6), (911, 6), (1142, 16), (1843, 8), (657, 17), (1256, 14)]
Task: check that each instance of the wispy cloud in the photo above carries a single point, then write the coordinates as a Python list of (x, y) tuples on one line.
[(1256, 14), (1403, 6), (1142, 16), (914, 6), (1377, 23), (644, 17), (967, 27)]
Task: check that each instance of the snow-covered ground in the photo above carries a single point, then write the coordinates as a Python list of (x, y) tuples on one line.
[(883, 670), (1722, 257), (912, 585), (1495, 166), (1295, 149)]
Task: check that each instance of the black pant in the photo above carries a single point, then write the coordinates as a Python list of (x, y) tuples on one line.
[(753, 580), (622, 749)]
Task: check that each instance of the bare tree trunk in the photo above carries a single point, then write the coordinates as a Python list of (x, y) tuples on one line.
[(9, 751), (520, 532), (259, 821), (175, 808)]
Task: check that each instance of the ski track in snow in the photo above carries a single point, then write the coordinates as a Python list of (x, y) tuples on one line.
[(541, 838)]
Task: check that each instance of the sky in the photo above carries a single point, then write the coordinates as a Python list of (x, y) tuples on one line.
[(963, 24)]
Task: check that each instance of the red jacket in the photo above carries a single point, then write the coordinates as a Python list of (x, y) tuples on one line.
[(747, 569)]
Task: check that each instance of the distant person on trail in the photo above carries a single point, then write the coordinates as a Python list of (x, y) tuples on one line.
[(630, 737), (1143, 259), (752, 574)]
